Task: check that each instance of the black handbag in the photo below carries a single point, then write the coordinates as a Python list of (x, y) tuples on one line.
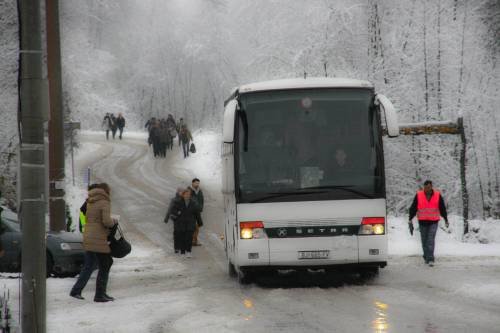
[(119, 246), (192, 148)]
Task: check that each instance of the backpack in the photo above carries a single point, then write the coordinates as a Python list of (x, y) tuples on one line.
[(192, 148)]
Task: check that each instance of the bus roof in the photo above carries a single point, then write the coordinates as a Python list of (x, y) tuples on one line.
[(299, 83)]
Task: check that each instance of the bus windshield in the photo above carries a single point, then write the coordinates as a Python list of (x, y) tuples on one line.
[(309, 144)]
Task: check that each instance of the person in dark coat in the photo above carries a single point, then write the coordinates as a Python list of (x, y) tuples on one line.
[(428, 205), (149, 126), (164, 139), (185, 214), (180, 124), (120, 123), (197, 195), (171, 122), (155, 138), (177, 197), (114, 126), (107, 124), (185, 137)]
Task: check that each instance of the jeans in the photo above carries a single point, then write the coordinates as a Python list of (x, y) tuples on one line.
[(104, 261), (185, 148), (428, 231), (90, 264), (121, 132)]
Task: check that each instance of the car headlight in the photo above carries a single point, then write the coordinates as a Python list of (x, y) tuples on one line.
[(65, 246)]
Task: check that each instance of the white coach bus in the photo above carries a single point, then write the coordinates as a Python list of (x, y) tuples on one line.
[(303, 175)]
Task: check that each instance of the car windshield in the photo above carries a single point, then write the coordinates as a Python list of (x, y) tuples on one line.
[(310, 144)]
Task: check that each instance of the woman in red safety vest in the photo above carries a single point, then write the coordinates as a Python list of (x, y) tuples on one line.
[(428, 205)]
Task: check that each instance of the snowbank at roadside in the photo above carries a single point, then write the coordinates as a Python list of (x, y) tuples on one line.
[(449, 242)]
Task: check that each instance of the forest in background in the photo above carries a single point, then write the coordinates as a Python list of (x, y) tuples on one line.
[(435, 59)]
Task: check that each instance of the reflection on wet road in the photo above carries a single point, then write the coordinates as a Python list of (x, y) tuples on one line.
[(380, 324)]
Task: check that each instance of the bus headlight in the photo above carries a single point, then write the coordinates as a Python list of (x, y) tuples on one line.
[(252, 230), (246, 233), (372, 226), (378, 229)]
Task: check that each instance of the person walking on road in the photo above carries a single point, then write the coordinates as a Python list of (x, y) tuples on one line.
[(114, 126), (185, 214), (120, 123), (180, 124), (95, 237), (197, 195), (177, 197), (90, 259), (185, 137), (428, 205), (108, 124)]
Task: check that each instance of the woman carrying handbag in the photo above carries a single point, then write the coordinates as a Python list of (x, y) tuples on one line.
[(95, 237)]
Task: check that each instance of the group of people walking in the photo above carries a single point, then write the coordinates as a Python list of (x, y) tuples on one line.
[(162, 133), (112, 124), (185, 211)]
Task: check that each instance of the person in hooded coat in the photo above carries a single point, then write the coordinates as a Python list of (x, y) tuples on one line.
[(95, 237)]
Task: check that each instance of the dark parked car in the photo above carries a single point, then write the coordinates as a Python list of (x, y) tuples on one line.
[(64, 249)]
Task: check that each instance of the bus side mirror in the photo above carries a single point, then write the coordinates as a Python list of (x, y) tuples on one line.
[(391, 119), (229, 121)]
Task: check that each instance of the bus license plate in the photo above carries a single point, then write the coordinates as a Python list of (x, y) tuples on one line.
[(314, 254)]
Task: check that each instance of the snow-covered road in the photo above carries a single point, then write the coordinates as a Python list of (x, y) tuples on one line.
[(157, 291)]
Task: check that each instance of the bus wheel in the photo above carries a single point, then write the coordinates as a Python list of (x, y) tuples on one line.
[(231, 270), (369, 273), (245, 277)]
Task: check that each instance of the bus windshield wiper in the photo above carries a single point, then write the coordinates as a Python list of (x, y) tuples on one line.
[(272, 195), (346, 188)]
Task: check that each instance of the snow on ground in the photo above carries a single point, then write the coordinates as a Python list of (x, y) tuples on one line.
[(206, 162), (448, 241)]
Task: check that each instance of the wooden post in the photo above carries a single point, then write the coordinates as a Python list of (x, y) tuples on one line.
[(463, 178)]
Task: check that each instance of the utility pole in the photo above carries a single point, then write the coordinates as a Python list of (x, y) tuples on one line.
[(32, 177), (57, 206)]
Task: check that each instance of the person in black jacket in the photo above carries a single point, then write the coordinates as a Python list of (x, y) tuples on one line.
[(120, 123), (178, 196), (185, 214), (197, 195)]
